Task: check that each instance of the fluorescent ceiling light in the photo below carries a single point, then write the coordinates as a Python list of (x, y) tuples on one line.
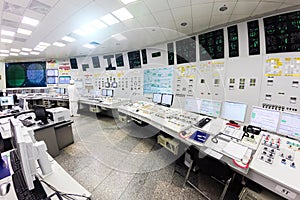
[(35, 53), (30, 21), (80, 32), (6, 40), (122, 14), (4, 51), (26, 49), (89, 46), (119, 37), (127, 1), (15, 50), (24, 31), (98, 24), (109, 19), (44, 44), (68, 39), (39, 48), (24, 53), (59, 44), (13, 54), (7, 33), (3, 55)]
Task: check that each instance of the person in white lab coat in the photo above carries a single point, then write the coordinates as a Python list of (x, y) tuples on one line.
[(73, 99)]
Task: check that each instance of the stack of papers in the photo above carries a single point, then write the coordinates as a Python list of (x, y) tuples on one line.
[(235, 150)]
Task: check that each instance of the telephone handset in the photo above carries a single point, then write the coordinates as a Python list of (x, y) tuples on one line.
[(252, 129)]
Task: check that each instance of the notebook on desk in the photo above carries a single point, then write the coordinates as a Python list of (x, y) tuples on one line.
[(235, 150)]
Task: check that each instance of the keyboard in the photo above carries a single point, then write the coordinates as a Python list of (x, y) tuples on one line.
[(27, 122), (21, 189), (203, 122)]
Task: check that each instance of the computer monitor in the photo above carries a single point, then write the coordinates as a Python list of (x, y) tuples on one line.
[(7, 101), (192, 105), (104, 92), (210, 107), (234, 111), (167, 99), (41, 114), (289, 125), (114, 84), (29, 151), (110, 93), (265, 119), (157, 98)]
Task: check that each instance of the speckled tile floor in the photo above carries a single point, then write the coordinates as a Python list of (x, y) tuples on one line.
[(117, 161)]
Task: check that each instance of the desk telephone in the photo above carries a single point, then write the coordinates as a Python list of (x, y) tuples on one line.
[(233, 132)]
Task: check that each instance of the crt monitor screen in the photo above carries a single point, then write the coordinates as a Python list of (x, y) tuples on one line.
[(167, 99), (234, 111), (110, 93), (41, 114), (156, 98), (210, 107), (289, 125), (7, 101), (264, 118)]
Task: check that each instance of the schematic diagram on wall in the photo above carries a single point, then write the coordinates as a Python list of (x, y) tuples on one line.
[(158, 80), (185, 80), (282, 66)]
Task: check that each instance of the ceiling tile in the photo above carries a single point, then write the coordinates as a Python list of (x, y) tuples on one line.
[(138, 8), (278, 1), (286, 6), (218, 5), (218, 20), (179, 3), (200, 25), (132, 24), (11, 17), (49, 2), (182, 13), (157, 5), (23, 3), (194, 2), (264, 7), (238, 17), (244, 8), (9, 23), (12, 8), (147, 21), (39, 7), (34, 15), (201, 10), (292, 2), (108, 6)]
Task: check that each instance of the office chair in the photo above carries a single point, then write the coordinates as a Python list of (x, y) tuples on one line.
[(214, 168)]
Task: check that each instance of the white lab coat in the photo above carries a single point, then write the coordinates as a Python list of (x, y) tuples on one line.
[(73, 100)]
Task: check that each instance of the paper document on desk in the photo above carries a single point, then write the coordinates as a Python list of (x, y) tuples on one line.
[(235, 150)]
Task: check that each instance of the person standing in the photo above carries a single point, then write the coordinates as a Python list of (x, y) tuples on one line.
[(73, 99)]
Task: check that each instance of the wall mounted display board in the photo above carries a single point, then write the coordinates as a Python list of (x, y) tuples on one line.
[(170, 48), (253, 37), (96, 62), (233, 41), (158, 80), (134, 59), (119, 60), (211, 45), (144, 56), (186, 50), (73, 62), (282, 33)]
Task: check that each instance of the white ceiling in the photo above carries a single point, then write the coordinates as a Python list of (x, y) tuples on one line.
[(154, 21)]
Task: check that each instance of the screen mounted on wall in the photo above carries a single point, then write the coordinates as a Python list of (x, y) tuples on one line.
[(25, 74)]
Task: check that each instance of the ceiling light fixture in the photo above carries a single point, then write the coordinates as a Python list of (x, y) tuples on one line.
[(30, 21), (24, 53), (7, 33), (24, 31), (183, 24), (14, 54), (26, 49), (98, 24), (127, 1), (3, 55), (68, 39), (4, 51), (35, 53), (59, 44), (109, 19), (223, 8), (119, 37), (6, 40), (122, 14), (15, 50), (89, 46), (80, 32), (39, 48)]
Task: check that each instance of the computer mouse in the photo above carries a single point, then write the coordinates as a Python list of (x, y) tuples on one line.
[(4, 189)]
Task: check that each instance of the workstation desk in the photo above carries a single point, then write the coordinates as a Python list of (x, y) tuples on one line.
[(98, 105), (270, 176)]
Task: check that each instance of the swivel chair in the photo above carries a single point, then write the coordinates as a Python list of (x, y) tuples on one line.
[(214, 168)]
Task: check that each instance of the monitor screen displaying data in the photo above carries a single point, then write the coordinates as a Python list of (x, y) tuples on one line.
[(104, 92), (290, 125), (192, 105), (110, 93), (156, 98), (234, 111), (210, 108), (167, 99), (7, 101), (265, 119)]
